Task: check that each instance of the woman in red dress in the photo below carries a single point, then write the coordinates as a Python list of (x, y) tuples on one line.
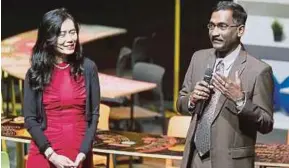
[(61, 96)]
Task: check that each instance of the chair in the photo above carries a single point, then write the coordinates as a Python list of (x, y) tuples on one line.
[(178, 127), (121, 64), (3, 142), (143, 101), (140, 52), (14, 99), (103, 121), (5, 163), (103, 124), (13, 94)]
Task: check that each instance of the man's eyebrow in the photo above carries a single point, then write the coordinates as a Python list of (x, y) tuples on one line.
[(222, 23), (218, 22)]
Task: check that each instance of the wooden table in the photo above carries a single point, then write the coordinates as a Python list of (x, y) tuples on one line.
[(130, 150), (113, 87), (16, 52), (109, 142), (21, 44), (110, 86), (148, 145)]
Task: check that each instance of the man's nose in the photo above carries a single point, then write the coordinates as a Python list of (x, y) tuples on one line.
[(215, 31)]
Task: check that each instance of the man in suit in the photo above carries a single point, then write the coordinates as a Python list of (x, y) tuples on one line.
[(238, 100)]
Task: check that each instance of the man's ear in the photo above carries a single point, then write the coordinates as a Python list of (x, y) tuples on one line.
[(241, 30)]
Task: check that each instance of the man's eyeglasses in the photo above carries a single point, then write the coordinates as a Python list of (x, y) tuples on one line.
[(221, 26)]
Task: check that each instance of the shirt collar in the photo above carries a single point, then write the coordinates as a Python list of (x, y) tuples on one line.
[(229, 59)]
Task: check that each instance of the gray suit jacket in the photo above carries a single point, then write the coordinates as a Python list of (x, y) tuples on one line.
[(233, 134)]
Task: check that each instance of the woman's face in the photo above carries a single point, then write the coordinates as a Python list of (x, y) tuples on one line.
[(67, 38)]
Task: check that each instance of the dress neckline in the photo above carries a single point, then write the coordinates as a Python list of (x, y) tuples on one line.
[(62, 65)]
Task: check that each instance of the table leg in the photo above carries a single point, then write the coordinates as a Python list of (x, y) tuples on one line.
[(107, 160), (131, 127), (130, 161), (13, 98), (19, 155), (113, 162), (110, 160), (7, 96), (3, 145)]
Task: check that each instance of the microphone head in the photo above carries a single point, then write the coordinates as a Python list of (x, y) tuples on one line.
[(208, 75)]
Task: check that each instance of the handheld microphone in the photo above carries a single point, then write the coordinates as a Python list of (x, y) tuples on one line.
[(207, 78)]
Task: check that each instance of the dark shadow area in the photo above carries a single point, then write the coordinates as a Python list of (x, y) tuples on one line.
[(139, 18)]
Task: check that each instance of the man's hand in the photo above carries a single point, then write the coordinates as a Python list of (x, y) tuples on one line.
[(60, 161), (231, 89), (200, 92)]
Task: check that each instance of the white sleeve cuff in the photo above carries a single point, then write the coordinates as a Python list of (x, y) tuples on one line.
[(48, 152), (191, 106), (240, 104)]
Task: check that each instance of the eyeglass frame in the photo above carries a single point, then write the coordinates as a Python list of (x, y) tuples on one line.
[(219, 27)]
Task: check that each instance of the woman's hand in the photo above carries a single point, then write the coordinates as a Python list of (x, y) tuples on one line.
[(61, 161), (79, 159)]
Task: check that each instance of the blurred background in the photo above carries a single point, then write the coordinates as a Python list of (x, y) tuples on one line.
[(266, 37), (139, 18)]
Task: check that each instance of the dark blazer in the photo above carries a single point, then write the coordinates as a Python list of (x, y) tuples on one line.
[(35, 116), (233, 132)]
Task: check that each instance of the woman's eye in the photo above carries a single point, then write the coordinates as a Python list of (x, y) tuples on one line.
[(61, 35)]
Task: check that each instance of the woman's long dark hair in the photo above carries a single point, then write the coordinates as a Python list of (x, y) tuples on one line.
[(44, 53)]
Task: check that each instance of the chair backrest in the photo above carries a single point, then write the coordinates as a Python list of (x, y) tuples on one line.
[(141, 49), (122, 60), (150, 73), (5, 163), (103, 121), (178, 126)]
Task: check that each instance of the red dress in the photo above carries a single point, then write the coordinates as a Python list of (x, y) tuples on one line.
[(64, 104)]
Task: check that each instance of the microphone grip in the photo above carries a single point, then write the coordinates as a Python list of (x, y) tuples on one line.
[(201, 104)]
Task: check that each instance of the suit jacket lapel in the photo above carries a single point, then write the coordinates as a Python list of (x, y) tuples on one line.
[(211, 59), (206, 61), (238, 65)]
